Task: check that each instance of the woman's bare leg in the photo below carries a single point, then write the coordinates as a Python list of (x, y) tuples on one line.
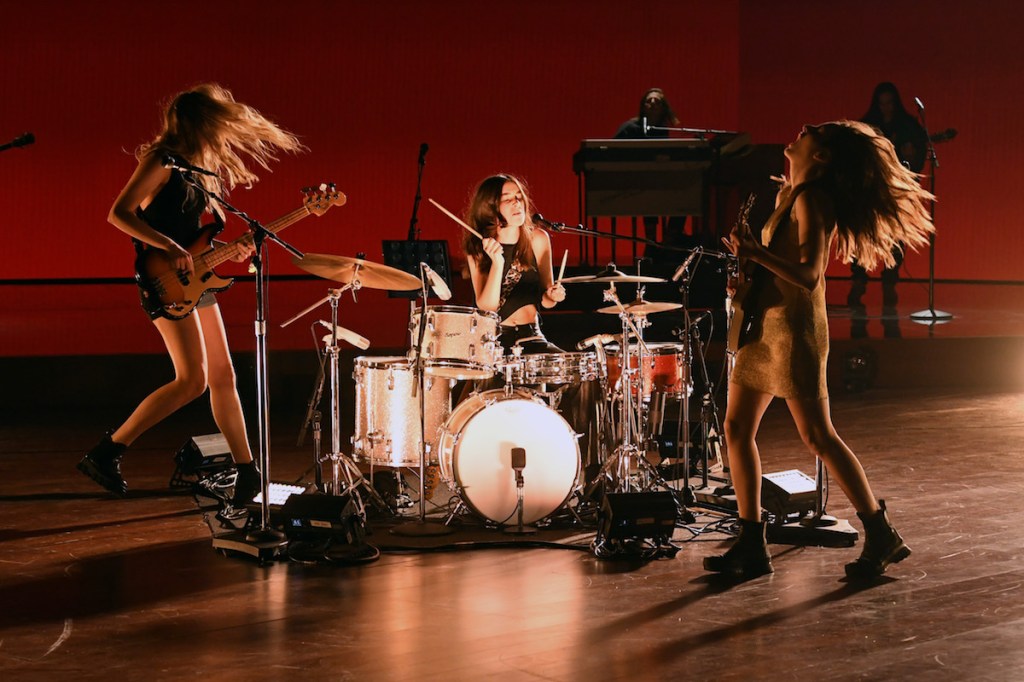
[(743, 414), (224, 400)]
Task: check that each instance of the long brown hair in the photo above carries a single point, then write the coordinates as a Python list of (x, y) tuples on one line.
[(879, 204), (207, 127), (484, 215)]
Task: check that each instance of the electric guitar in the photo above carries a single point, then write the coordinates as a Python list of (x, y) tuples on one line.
[(745, 320), (179, 292)]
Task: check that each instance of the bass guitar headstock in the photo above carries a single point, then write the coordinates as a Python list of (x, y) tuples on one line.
[(318, 200)]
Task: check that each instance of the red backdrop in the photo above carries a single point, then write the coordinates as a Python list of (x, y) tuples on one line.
[(498, 88)]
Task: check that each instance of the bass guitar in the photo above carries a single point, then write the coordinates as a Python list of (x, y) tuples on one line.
[(745, 320), (179, 292)]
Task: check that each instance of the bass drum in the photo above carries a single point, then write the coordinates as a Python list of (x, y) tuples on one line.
[(475, 450)]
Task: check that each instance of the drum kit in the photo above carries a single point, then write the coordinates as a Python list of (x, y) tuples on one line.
[(505, 450)]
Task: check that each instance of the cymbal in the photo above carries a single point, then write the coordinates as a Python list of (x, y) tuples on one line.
[(345, 269), (610, 274), (641, 307)]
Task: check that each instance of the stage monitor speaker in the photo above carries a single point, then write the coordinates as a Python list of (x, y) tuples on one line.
[(320, 517), (784, 493), (200, 457), (407, 254), (637, 516)]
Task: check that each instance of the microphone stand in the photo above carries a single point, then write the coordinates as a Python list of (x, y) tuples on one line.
[(421, 527), (414, 231), (264, 538), (930, 316)]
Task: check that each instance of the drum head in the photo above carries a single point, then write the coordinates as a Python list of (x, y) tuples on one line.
[(478, 455)]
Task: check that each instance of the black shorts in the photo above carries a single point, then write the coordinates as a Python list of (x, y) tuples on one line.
[(151, 304)]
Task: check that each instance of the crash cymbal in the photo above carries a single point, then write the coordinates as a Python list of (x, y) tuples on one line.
[(641, 307), (610, 274), (345, 269)]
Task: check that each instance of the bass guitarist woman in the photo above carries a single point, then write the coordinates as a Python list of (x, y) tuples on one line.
[(846, 188), (160, 210)]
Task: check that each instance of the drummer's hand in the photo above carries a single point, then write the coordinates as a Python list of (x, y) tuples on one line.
[(730, 286), (493, 249), (556, 292)]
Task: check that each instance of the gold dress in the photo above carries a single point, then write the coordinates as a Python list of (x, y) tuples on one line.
[(788, 358)]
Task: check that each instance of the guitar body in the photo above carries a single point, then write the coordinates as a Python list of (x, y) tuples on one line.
[(745, 325), (179, 293), (745, 322)]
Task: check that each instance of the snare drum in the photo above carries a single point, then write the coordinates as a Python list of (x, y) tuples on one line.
[(387, 429), (664, 369), (458, 342), (476, 455), (556, 369)]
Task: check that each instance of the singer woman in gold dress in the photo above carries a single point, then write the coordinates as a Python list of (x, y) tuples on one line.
[(846, 189)]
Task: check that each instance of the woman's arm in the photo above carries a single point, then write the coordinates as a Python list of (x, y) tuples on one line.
[(553, 294), (487, 288), (146, 181), (814, 218)]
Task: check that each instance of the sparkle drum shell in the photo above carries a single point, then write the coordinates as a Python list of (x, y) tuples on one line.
[(458, 342), (387, 428)]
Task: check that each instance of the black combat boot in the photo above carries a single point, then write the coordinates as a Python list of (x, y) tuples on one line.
[(103, 465), (247, 484), (748, 557), (882, 546)]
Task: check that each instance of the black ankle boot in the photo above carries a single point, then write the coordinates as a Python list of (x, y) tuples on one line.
[(247, 484), (103, 465), (882, 546), (748, 557)]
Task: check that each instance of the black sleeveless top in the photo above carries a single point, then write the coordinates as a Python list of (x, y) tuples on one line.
[(176, 210), (520, 288)]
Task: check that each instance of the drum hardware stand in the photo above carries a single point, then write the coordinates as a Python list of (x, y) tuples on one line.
[(345, 475), (262, 541), (518, 464), (421, 527), (631, 415)]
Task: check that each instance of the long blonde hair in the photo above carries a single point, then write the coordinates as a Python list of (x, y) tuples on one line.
[(880, 206), (207, 127)]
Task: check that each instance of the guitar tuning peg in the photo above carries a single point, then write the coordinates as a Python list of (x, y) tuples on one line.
[(306, 190), (323, 186)]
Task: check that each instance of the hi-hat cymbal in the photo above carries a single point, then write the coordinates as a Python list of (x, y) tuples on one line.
[(641, 307), (610, 274), (345, 269)]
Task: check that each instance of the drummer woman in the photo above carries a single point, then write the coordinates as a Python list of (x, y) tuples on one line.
[(511, 266)]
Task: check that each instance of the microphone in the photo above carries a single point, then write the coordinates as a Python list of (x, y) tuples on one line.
[(686, 264), (598, 339), (518, 464), (679, 332), (644, 123), (19, 141), (437, 283), (920, 105), (171, 161), (423, 152), (348, 335), (538, 219)]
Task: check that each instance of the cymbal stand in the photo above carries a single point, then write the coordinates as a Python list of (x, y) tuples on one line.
[(345, 475), (631, 409), (422, 527)]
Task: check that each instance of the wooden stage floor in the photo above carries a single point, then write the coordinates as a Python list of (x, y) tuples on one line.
[(97, 588)]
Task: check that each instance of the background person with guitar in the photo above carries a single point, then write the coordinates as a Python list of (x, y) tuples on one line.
[(162, 212), (847, 188), (910, 141)]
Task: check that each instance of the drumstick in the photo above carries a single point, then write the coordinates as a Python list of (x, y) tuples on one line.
[(561, 270), (456, 219)]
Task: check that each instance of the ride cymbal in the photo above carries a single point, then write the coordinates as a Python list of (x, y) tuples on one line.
[(345, 269)]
